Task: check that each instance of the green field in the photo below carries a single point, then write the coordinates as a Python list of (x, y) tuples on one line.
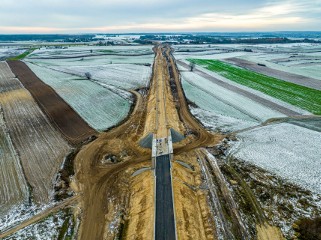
[(300, 96), (23, 55)]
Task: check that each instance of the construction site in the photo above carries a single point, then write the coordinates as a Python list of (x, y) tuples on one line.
[(159, 174)]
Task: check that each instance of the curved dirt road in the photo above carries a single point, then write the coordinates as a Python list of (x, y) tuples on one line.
[(95, 180)]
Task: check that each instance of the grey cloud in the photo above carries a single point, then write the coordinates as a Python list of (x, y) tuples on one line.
[(77, 14)]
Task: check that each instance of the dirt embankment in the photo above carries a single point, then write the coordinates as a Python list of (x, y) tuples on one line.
[(112, 202), (98, 180), (193, 215), (63, 117), (161, 111), (140, 222), (202, 137)]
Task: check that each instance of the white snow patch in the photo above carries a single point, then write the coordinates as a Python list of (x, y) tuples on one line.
[(45, 230), (243, 104), (217, 122), (289, 151)]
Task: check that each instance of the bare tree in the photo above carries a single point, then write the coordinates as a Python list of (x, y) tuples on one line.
[(192, 66), (88, 75)]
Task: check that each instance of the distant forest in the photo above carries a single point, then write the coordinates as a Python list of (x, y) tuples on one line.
[(178, 38)]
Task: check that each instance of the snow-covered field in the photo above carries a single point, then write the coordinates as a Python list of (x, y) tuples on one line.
[(221, 123), (299, 58), (289, 151), (46, 229), (258, 93), (19, 213), (100, 107), (221, 109), (305, 66), (124, 76), (13, 186), (95, 60), (91, 51), (104, 100), (9, 52)]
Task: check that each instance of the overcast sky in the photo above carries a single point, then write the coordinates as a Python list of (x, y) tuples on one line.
[(118, 16)]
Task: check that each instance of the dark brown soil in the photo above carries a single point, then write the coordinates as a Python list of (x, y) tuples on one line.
[(309, 228), (63, 117)]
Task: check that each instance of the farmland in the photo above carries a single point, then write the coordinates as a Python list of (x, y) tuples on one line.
[(22, 55), (89, 51), (72, 122), (102, 101), (279, 149), (303, 97), (253, 110), (123, 76), (97, 105), (13, 187), (9, 52), (69, 123), (222, 109), (286, 76), (299, 58), (40, 147)]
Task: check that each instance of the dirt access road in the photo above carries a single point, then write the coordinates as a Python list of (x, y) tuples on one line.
[(102, 187), (96, 181)]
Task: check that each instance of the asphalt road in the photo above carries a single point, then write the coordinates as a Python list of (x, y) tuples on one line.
[(164, 220)]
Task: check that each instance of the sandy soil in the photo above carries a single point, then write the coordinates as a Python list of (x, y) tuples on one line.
[(191, 207), (98, 182), (141, 208), (267, 232), (161, 111), (109, 194)]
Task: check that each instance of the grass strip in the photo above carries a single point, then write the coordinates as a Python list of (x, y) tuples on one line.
[(23, 55), (297, 95)]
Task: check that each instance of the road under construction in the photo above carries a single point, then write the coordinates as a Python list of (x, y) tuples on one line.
[(164, 203)]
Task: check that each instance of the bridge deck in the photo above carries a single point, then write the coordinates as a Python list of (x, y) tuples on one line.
[(164, 219)]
